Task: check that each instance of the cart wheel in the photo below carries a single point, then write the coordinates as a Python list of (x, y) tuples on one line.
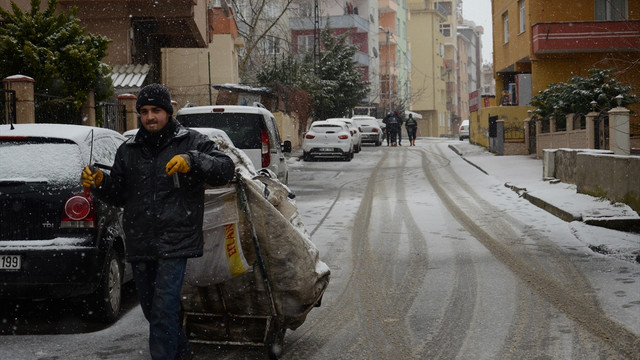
[(275, 343)]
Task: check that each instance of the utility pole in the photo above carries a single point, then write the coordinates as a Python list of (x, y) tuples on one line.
[(387, 102), (316, 38)]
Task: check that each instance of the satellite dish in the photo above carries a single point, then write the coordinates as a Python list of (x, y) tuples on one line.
[(372, 19), (375, 52)]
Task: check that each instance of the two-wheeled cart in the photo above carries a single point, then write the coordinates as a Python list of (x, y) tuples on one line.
[(251, 309)]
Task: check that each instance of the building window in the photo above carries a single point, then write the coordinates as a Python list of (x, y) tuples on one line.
[(305, 44), (505, 27), (522, 19), (611, 10), (443, 7), (305, 10), (445, 30), (271, 45)]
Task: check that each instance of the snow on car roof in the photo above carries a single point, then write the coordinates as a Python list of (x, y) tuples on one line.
[(76, 133)]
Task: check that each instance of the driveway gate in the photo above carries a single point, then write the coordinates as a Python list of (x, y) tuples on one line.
[(113, 116), (8, 106)]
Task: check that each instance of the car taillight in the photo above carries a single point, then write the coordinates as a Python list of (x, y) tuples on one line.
[(343, 137), (266, 155), (374, 130), (79, 212), (309, 136)]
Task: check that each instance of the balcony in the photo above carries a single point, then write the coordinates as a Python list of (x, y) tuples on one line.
[(351, 21), (586, 36)]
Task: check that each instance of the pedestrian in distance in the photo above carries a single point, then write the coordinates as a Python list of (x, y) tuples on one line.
[(385, 121), (412, 126), (159, 178), (393, 127)]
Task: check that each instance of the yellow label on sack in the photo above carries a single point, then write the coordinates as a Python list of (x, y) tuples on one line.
[(231, 247)]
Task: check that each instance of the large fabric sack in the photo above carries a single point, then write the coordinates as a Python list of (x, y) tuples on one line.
[(295, 272)]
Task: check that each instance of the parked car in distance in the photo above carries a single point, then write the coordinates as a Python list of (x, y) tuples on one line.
[(371, 130), (327, 140), (252, 129), (356, 136), (56, 239), (464, 130)]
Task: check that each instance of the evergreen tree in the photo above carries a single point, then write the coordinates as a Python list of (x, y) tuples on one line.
[(575, 96), (336, 88), (339, 87), (55, 51)]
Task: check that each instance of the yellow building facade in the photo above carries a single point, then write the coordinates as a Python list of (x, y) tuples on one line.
[(428, 75), (549, 41)]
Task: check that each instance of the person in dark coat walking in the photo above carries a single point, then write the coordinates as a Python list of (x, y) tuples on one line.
[(393, 127), (385, 121), (412, 126), (159, 178)]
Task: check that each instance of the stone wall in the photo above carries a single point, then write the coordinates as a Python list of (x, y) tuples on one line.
[(597, 173)]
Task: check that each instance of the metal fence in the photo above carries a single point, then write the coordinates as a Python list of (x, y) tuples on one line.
[(111, 116), (55, 109), (514, 132)]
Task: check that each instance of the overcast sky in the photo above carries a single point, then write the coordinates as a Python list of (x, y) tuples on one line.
[(479, 11)]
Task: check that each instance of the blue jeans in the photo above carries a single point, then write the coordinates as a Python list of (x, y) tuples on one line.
[(159, 284)]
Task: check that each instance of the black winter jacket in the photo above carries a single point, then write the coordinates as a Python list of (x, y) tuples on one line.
[(160, 220)]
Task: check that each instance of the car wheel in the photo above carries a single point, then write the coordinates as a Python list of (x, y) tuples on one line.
[(348, 156), (104, 304)]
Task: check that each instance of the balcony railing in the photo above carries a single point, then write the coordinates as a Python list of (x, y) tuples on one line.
[(586, 36)]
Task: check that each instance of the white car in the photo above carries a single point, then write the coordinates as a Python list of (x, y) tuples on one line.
[(464, 130), (371, 130), (327, 139), (252, 129), (356, 137)]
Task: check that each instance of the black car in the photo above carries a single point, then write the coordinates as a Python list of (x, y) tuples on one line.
[(56, 239)]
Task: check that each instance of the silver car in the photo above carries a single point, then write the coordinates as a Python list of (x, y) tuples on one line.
[(371, 130)]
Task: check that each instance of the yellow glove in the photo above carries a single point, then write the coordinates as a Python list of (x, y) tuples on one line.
[(179, 163), (90, 178)]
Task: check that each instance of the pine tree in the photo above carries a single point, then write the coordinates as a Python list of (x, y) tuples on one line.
[(339, 87), (575, 96), (336, 88), (55, 51)]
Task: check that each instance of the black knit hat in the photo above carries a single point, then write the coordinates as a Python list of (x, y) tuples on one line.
[(156, 95)]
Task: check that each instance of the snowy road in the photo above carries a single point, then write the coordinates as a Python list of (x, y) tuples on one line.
[(430, 259)]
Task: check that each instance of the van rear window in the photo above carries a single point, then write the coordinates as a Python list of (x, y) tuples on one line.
[(243, 129)]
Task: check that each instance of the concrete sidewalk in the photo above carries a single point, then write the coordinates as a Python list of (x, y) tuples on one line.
[(523, 174)]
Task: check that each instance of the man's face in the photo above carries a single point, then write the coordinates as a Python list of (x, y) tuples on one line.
[(153, 118)]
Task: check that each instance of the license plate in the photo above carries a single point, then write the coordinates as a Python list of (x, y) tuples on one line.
[(10, 262), (326, 149)]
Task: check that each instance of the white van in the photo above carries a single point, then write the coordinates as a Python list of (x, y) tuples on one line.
[(252, 129)]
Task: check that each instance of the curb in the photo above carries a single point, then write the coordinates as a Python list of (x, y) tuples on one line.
[(627, 225)]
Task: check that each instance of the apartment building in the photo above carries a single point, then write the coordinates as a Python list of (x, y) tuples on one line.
[(546, 41), (187, 45), (360, 20), (429, 74)]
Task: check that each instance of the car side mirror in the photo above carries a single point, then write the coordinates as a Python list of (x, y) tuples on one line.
[(286, 147)]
